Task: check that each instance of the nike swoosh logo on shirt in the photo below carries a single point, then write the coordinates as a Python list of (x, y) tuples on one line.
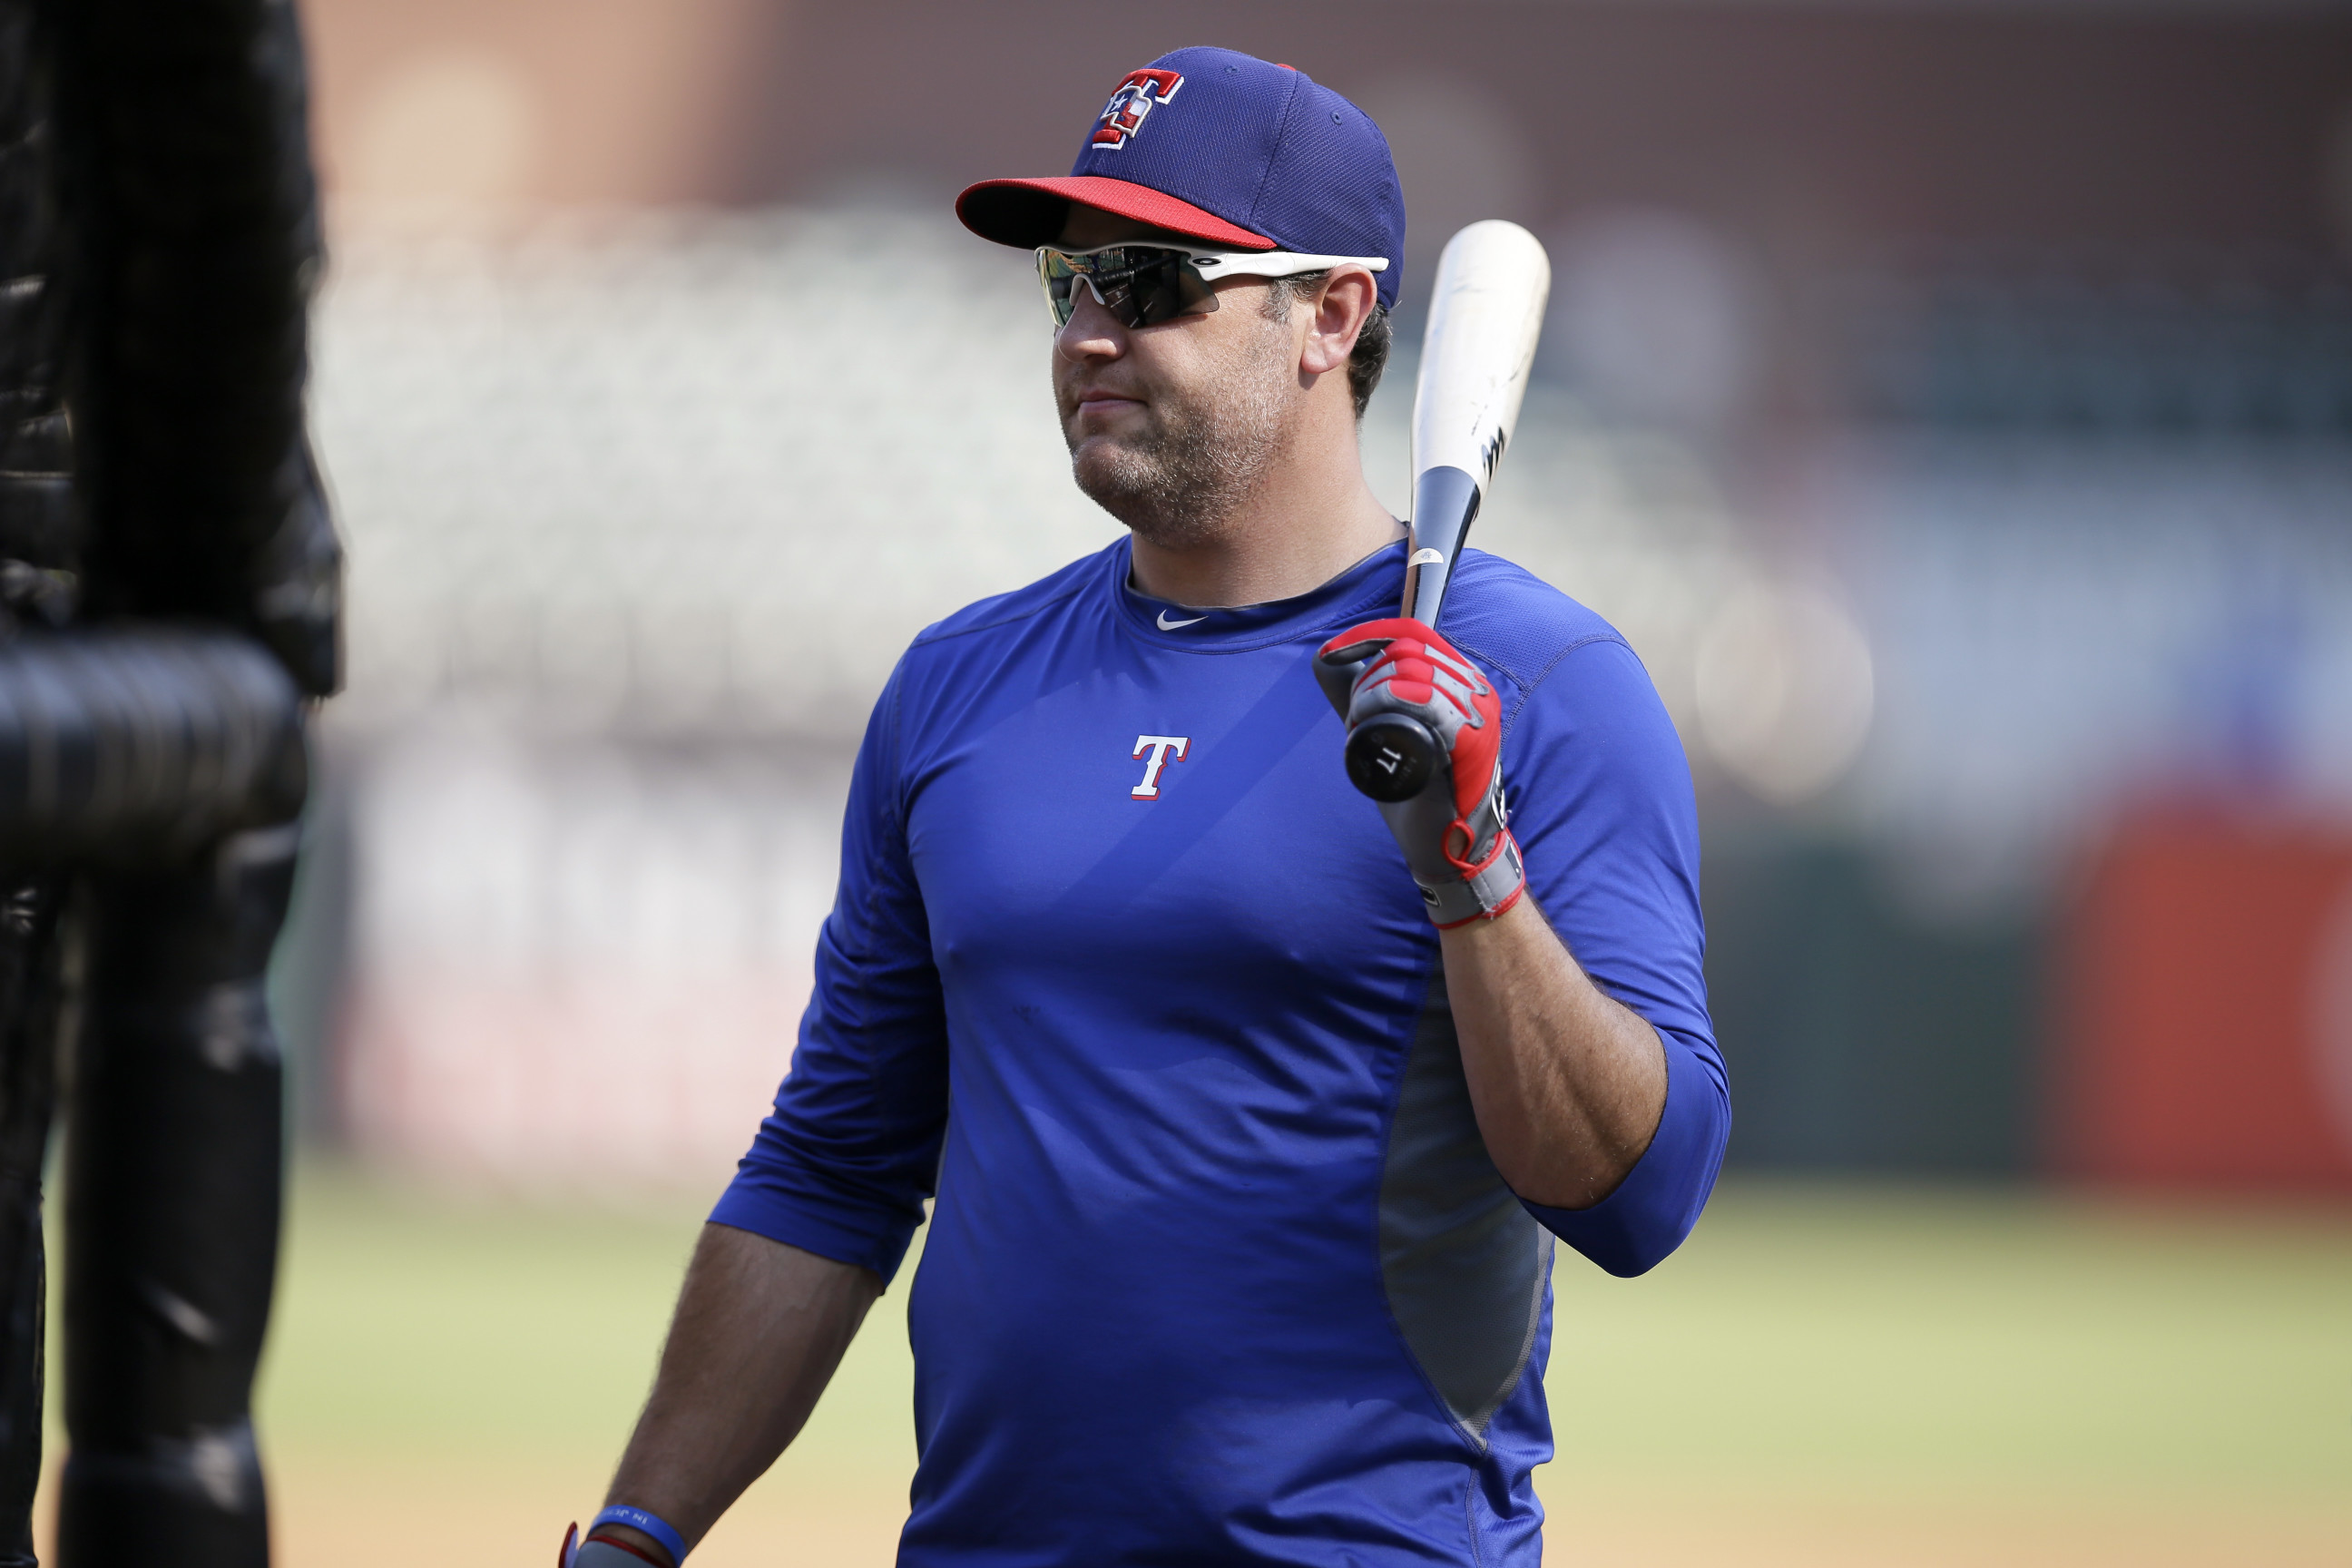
[(1168, 626)]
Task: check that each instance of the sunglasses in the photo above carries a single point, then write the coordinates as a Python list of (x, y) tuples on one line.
[(1144, 285)]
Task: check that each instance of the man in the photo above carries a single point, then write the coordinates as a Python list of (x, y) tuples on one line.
[(1247, 1152)]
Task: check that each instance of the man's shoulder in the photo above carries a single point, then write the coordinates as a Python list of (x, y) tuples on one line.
[(1516, 624), (1048, 593)]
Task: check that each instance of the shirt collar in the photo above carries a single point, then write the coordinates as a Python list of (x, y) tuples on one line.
[(1370, 587)]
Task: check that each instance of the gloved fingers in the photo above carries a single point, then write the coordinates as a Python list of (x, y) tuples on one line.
[(1406, 629), (1455, 839), (1442, 656), (1403, 671), (1427, 647), (1402, 675), (1462, 692), (1356, 652), (1359, 645), (1339, 664), (1385, 630)]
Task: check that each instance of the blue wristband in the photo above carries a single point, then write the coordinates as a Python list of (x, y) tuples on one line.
[(653, 1524)]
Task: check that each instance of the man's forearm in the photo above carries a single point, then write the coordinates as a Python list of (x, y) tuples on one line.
[(759, 1330), (1568, 1085)]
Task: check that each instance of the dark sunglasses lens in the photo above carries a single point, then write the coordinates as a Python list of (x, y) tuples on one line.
[(1140, 286), (1130, 296), (1162, 291)]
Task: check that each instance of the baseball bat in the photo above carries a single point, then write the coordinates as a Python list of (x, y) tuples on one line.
[(1485, 315)]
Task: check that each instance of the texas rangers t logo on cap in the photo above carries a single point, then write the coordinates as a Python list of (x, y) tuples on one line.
[(1257, 157), (1122, 117)]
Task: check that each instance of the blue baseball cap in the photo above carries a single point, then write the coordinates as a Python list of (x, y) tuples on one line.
[(1222, 147)]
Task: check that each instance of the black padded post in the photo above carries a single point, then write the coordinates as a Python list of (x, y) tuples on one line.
[(172, 1201), (169, 585), (37, 517), (185, 125)]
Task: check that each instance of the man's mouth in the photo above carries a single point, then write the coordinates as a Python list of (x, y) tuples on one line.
[(1100, 400)]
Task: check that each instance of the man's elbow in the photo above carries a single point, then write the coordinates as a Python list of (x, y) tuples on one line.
[(1571, 1185), (1640, 1221)]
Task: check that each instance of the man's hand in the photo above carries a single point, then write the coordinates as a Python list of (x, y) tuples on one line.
[(1567, 1084), (1456, 835)]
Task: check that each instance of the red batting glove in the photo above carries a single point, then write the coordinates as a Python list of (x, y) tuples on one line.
[(1456, 833)]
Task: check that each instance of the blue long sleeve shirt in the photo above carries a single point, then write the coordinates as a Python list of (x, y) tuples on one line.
[(1124, 972)]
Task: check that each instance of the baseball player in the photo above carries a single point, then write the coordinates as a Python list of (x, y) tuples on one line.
[(1249, 1109)]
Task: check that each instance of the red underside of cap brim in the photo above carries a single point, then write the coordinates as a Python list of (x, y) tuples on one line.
[(1027, 212)]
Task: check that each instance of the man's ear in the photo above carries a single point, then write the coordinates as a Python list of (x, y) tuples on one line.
[(1341, 307)]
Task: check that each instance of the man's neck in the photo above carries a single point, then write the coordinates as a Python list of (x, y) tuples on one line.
[(1310, 520)]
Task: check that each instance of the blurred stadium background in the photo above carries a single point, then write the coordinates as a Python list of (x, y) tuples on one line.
[(1951, 400)]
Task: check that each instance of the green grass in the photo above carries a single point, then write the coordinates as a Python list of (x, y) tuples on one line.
[(1929, 1353), (481, 1328), (1933, 1339)]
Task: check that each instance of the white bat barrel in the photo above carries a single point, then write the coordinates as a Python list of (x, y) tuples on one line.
[(1484, 314)]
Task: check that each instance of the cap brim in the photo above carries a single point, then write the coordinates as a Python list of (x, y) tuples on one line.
[(1029, 212)]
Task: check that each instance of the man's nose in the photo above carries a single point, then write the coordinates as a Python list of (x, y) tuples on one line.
[(1091, 332)]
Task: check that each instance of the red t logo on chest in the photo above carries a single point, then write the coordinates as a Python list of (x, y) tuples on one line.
[(1158, 746)]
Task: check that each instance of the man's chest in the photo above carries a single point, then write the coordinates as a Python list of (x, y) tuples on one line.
[(1175, 822)]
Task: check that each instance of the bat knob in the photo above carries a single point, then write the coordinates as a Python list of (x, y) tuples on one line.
[(1390, 756)]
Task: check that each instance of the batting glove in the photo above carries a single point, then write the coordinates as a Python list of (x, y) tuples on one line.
[(1455, 832)]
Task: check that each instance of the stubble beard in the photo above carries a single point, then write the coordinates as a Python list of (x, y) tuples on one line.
[(1179, 482)]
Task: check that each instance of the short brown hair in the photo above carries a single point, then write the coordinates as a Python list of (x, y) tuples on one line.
[(1371, 354)]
